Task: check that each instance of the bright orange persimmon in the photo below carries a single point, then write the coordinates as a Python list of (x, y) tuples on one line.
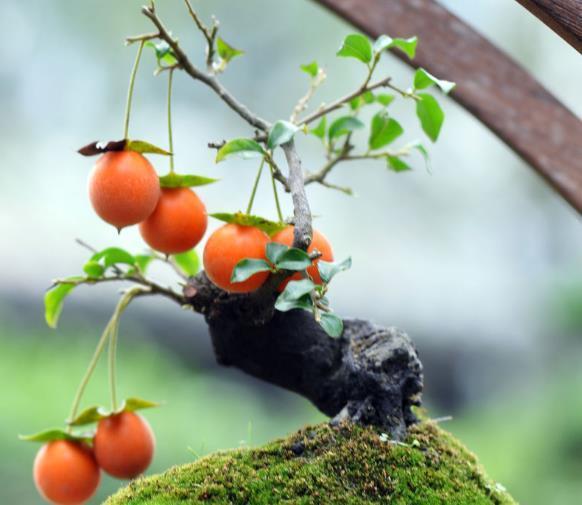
[(124, 445), (319, 242), (65, 472), (177, 224), (226, 247), (124, 188)]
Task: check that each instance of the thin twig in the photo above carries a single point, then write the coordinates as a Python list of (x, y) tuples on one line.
[(304, 100), (209, 34), (141, 38)]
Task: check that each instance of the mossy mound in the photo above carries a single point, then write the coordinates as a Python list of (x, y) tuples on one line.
[(345, 465)]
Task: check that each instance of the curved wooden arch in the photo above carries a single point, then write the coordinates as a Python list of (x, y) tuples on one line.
[(491, 86)]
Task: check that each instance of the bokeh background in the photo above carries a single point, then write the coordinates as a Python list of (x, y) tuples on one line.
[(478, 260)]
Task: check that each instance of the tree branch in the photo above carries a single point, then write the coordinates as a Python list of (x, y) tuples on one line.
[(209, 34), (210, 80)]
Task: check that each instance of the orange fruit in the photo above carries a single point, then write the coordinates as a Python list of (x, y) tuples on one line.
[(177, 224), (124, 445), (226, 247), (123, 188), (65, 472)]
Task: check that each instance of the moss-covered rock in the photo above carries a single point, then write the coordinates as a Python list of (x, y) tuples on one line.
[(345, 465)]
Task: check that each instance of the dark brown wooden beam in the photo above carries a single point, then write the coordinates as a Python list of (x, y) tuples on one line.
[(491, 86), (562, 16)]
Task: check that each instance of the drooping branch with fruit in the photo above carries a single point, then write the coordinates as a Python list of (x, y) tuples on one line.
[(264, 288)]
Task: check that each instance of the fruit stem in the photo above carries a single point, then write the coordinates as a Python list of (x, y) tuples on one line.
[(130, 89), (279, 213), (170, 137), (110, 331), (255, 186)]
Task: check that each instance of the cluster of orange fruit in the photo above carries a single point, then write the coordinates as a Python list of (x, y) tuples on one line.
[(125, 190), (68, 472)]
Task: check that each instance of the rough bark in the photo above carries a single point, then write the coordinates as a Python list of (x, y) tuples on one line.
[(371, 375)]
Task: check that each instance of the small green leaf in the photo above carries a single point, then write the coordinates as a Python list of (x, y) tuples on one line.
[(407, 46), (174, 180), (275, 250), (54, 299), (269, 227), (328, 269), (356, 46), (142, 261), (296, 295), (396, 164), (344, 125), (188, 262), (112, 256), (332, 324), (244, 147), (319, 130), (416, 144), (385, 99), (226, 51), (282, 131), (164, 53), (248, 267), (311, 68), (141, 146), (422, 80), (56, 434), (89, 416), (293, 259), (93, 269), (384, 130), (430, 114), (133, 404), (365, 98)]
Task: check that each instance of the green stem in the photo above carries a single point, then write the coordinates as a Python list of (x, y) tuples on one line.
[(130, 89), (170, 136), (112, 367), (279, 213), (255, 186)]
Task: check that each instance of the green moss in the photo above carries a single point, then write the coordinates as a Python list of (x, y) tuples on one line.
[(345, 465)]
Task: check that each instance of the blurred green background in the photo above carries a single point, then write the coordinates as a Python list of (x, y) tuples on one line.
[(479, 261)]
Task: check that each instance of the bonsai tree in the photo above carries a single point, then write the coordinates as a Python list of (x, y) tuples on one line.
[(265, 284)]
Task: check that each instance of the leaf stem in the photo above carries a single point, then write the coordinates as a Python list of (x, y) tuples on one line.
[(170, 136), (255, 186), (130, 89), (276, 194)]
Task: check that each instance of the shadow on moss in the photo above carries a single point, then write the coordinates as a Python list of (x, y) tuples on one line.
[(344, 465)]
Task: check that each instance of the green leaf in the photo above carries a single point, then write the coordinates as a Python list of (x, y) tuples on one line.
[(385, 99), (319, 130), (248, 267), (93, 269), (269, 227), (332, 324), (293, 259), (344, 125), (89, 416), (430, 114), (112, 256), (396, 164), (416, 144), (311, 68), (133, 404), (422, 80), (296, 295), (356, 46), (56, 434), (407, 46), (384, 130), (328, 269), (142, 261), (173, 180), (188, 262), (54, 299), (164, 53), (244, 147), (365, 98), (274, 251), (141, 146), (226, 51), (282, 131)]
